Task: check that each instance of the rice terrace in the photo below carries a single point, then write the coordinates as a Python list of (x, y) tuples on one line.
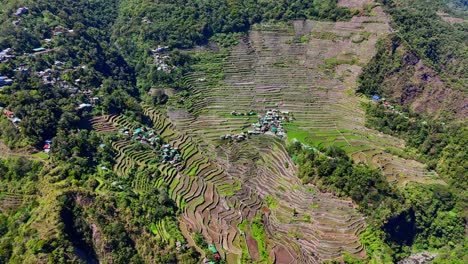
[(233, 132), (307, 68)]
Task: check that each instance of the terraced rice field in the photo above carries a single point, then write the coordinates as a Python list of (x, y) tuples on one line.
[(227, 191), (309, 225), (10, 201), (308, 68), (218, 195)]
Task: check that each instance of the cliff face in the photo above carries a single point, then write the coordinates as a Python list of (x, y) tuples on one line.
[(420, 87), (405, 79)]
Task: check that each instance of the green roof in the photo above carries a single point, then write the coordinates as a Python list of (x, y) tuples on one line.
[(213, 248)]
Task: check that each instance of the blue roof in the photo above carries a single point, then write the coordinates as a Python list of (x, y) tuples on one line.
[(376, 97)]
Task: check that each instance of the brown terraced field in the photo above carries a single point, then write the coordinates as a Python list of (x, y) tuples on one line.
[(306, 67), (219, 196)]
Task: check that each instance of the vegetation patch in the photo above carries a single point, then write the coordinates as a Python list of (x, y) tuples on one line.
[(271, 202), (259, 234), (326, 35), (331, 63)]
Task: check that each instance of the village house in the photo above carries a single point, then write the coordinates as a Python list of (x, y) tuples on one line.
[(4, 81), (6, 54), (9, 113), (236, 137), (46, 148), (86, 92), (59, 30), (84, 106), (40, 49), (22, 69), (94, 100), (160, 49), (59, 63), (146, 20), (21, 11)]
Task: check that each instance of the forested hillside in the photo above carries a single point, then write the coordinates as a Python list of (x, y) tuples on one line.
[(129, 134)]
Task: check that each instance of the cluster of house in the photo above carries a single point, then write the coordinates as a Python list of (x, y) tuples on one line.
[(377, 100), (12, 117), (216, 255), (237, 137), (19, 12), (271, 123), (161, 59), (53, 77), (169, 154), (172, 156), (48, 76), (47, 144), (250, 113)]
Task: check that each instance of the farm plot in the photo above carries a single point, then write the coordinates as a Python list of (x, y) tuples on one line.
[(217, 199), (195, 188), (9, 201), (198, 190), (309, 225)]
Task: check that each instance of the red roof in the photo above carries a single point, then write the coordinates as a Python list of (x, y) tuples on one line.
[(8, 112), (46, 146)]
